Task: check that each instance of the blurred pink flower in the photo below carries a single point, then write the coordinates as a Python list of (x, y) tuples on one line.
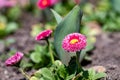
[(14, 59), (44, 34), (42, 4), (53, 2), (7, 3), (77, 1), (74, 42)]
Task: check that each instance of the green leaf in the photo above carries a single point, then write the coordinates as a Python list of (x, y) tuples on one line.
[(91, 73), (42, 78), (70, 24), (58, 63), (3, 19), (62, 71), (82, 55), (116, 5), (9, 41), (35, 57), (11, 27), (86, 74), (2, 27), (88, 58), (100, 75), (57, 16), (90, 43), (38, 48), (94, 76), (14, 13), (34, 78), (38, 73), (36, 29), (24, 64), (70, 77), (111, 26), (47, 74)]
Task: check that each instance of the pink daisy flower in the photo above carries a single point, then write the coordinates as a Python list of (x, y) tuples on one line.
[(74, 42), (14, 59), (42, 4), (43, 35), (7, 3)]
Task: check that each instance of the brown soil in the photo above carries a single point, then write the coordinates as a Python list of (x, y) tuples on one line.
[(24, 43), (106, 52)]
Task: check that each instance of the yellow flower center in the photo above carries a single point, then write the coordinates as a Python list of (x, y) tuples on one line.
[(44, 2), (73, 41)]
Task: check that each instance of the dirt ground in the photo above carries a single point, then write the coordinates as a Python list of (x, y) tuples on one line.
[(106, 52), (24, 43)]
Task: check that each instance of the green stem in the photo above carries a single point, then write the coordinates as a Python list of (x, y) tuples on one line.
[(50, 51), (78, 68), (21, 70), (76, 77)]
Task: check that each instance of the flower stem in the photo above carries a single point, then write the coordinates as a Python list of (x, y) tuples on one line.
[(78, 67), (21, 70), (50, 51)]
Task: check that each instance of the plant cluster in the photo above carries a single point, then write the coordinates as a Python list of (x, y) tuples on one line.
[(105, 12), (8, 18), (70, 48)]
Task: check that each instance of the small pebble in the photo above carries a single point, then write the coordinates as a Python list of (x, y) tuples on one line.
[(99, 68)]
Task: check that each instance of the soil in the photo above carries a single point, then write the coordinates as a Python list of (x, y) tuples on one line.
[(24, 43), (106, 52)]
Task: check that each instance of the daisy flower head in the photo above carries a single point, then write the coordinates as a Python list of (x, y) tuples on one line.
[(42, 4), (14, 59), (43, 35), (74, 42)]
